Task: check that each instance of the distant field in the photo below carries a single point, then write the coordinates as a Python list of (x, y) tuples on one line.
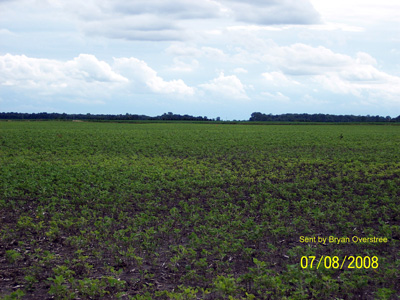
[(198, 211)]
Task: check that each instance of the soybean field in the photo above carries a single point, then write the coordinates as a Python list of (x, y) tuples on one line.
[(199, 211)]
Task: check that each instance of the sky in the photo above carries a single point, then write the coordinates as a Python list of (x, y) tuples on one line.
[(214, 58)]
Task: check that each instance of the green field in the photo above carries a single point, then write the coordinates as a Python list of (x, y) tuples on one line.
[(198, 211)]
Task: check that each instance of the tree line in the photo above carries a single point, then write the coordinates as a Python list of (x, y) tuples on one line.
[(255, 117), (57, 116), (260, 117)]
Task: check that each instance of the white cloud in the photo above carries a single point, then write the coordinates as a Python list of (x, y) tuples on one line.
[(301, 59), (184, 66), (180, 49), (395, 51), (6, 32), (213, 53), (139, 71), (84, 75), (227, 86), (362, 81), (312, 101), (335, 72), (278, 79), (240, 71), (330, 26), (358, 11), (277, 97), (89, 68), (255, 28), (365, 58), (26, 72)]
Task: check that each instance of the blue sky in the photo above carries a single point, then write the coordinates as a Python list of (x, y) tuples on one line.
[(225, 58)]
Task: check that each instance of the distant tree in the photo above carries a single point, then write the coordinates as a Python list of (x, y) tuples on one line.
[(257, 116)]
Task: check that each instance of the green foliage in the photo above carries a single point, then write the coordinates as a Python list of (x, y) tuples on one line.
[(31, 281), (186, 211), (91, 287), (384, 293), (184, 293), (13, 256), (18, 294), (59, 287), (226, 286)]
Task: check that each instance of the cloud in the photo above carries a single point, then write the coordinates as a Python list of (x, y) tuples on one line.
[(278, 79), (89, 68), (395, 51), (272, 12), (131, 27), (300, 66), (84, 76), (183, 66), (362, 13), (240, 71), (329, 26), (177, 9), (6, 32), (180, 49), (227, 86), (301, 59), (27, 72), (276, 97), (363, 81), (149, 20), (157, 20), (139, 71), (338, 73)]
